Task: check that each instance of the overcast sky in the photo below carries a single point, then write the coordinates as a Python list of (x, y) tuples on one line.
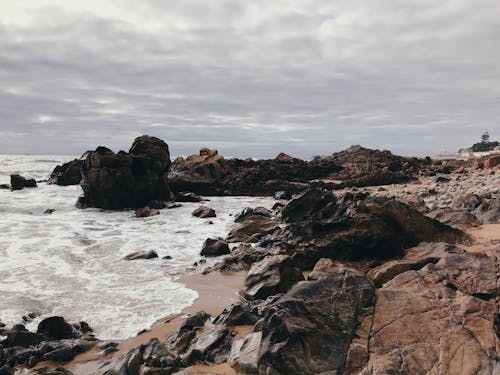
[(250, 78)]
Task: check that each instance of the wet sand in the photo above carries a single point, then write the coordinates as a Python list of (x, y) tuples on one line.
[(215, 292)]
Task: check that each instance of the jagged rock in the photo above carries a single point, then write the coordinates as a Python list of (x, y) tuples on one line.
[(257, 211), (245, 312), (67, 174), (5, 186), (128, 364), (355, 227), (49, 211), (455, 217), (251, 229), (204, 212), (270, 276), (157, 355), (309, 330), (205, 346), (451, 304), (181, 340), (55, 327), (244, 353), (149, 254), (209, 173), (126, 180), (62, 354), (6, 370), (322, 268), (214, 247), (18, 182), (146, 212)]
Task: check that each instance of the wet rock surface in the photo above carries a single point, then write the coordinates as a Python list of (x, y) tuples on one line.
[(67, 174), (126, 180), (18, 182), (214, 247)]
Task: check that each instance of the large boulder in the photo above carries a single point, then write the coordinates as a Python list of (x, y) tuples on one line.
[(213, 247), (18, 182), (67, 174), (126, 180), (310, 329), (204, 212), (55, 327), (355, 227), (252, 228), (439, 315), (271, 276)]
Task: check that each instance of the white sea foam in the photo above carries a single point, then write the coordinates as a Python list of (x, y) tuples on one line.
[(70, 263)]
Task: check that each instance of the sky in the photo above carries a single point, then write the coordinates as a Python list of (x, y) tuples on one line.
[(249, 78)]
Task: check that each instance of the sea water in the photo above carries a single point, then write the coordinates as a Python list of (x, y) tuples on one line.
[(70, 263)]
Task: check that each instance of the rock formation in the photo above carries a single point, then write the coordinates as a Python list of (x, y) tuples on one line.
[(126, 180)]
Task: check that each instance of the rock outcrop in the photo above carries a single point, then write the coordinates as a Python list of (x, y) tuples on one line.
[(67, 174), (126, 180), (18, 182)]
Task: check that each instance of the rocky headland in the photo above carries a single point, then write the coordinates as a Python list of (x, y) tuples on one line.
[(369, 263)]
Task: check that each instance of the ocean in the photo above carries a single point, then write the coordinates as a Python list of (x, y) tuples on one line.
[(70, 262)]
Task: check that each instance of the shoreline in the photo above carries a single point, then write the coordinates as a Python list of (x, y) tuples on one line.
[(215, 290)]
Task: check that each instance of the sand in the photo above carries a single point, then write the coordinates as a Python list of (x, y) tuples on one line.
[(216, 291)]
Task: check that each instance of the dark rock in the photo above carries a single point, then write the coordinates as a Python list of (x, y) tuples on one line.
[(20, 336), (215, 247), (257, 211), (158, 205), (67, 174), (270, 276), (309, 330), (205, 346), (61, 354), (157, 355), (126, 180), (146, 212), (6, 370), (204, 212), (18, 182), (183, 338), (188, 197), (49, 211), (322, 268), (56, 328), (173, 205), (245, 353), (455, 217), (149, 254), (129, 364), (5, 186), (252, 228), (282, 195)]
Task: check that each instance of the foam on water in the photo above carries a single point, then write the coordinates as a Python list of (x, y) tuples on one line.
[(70, 263)]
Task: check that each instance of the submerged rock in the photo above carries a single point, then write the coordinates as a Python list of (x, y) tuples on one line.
[(150, 254), (146, 212)]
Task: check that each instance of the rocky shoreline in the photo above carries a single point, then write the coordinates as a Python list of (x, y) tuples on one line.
[(369, 263)]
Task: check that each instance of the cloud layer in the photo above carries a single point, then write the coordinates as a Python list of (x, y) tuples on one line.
[(249, 78)]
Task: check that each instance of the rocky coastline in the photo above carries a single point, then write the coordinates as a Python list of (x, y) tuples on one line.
[(369, 263)]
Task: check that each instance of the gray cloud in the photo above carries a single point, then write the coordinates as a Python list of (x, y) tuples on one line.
[(249, 78)]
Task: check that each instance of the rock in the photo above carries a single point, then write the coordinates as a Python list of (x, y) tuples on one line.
[(442, 180), (171, 206), (455, 217), (56, 328), (204, 212), (67, 174), (188, 197), (270, 276), (149, 254), (215, 247), (20, 336), (156, 355), (18, 182), (61, 354), (129, 364), (5, 186), (322, 268), (205, 346), (209, 173), (310, 329), (146, 212), (126, 180), (257, 211), (6, 370), (355, 227), (244, 353), (49, 211), (252, 228), (452, 302), (156, 204), (492, 161), (181, 340), (282, 195)]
